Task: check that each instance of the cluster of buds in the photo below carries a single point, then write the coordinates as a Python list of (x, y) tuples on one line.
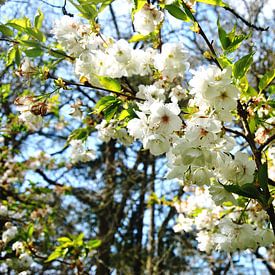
[(31, 104), (32, 111)]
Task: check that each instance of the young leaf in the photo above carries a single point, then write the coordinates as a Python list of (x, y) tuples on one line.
[(93, 244), (213, 2), (104, 102), (57, 253), (241, 67), (139, 37), (5, 30), (38, 20), (266, 80), (109, 83), (177, 12), (20, 24), (11, 55), (33, 52)]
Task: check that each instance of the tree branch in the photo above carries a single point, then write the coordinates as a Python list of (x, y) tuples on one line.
[(202, 33), (251, 25)]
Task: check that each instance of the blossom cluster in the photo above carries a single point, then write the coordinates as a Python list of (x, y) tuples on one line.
[(219, 227), (24, 260), (185, 121)]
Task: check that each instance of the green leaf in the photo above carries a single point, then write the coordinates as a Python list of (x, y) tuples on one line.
[(110, 111), (224, 61), (109, 83), (20, 24), (104, 4), (230, 41), (241, 67), (38, 20), (81, 133), (177, 12), (64, 240), (36, 34), (263, 177), (225, 41), (266, 80), (123, 115), (93, 244), (87, 8), (214, 2), (57, 53), (78, 241), (188, 11), (248, 190), (5, 30), (104, 102), (17, 56), (5, 90), (33, 52), (30, 231), (30, 43), (139, 37), (11, 55), (243, 84), (57, 253), (252, 124)]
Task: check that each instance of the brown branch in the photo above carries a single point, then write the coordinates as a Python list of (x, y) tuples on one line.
[(47, 179), (88, 85), (249, 24), (237, 133)]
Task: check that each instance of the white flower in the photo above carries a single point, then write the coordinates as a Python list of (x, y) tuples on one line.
[(18, 247), (164, 118), (150, 92), (205, 241), (25, 260), (33, 122), (157, 144), (79, 153), (212, 87), (123, 137), (147, 19), (69, 32), (177, 94), (200, 176), (9, 234), (122, 51), (105, 131), (239, 170), (171, 62), (183, 223), (202, 130), (3, 210), (220, 195)]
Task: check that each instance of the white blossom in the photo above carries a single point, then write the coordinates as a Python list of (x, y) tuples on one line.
[(147, 19)]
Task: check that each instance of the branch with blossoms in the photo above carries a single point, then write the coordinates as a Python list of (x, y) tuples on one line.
[(186, 122)]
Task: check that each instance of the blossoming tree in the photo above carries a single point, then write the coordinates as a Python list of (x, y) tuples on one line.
[(214, 128)]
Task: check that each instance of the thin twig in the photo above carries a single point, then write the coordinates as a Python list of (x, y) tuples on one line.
[(251, 25), (88, 85), (114, 20), (202, 33)]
